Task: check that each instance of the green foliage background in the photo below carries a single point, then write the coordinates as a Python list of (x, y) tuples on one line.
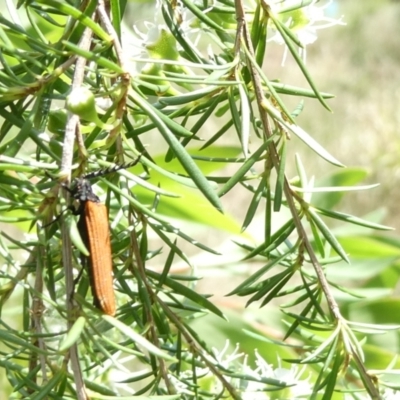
[(167, 234)]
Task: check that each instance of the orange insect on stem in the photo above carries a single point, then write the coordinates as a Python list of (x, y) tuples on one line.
[(94, 229), (100, 259)]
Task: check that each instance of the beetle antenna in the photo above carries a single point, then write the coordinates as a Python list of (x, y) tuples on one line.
[(111, 169)]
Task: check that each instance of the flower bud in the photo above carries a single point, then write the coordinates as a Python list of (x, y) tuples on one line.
[(164, 46), (82, 103), (57, 121)]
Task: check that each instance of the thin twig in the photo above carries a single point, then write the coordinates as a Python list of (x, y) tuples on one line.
[(197, 351), (333, 306), (124, 78), (36, 319), (37, 313), (66, 165), (368, 379), (181, 328), (149, 316), (108, 26)]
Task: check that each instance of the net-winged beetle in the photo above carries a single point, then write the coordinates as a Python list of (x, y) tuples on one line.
[(94, 229)]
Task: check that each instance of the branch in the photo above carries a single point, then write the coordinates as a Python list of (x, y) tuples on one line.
[(66, 165)]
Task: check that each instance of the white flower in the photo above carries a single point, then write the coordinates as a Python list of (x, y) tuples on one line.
[(300, 388), (148, 33), (303, 22), (227, 360), (292, 377)]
